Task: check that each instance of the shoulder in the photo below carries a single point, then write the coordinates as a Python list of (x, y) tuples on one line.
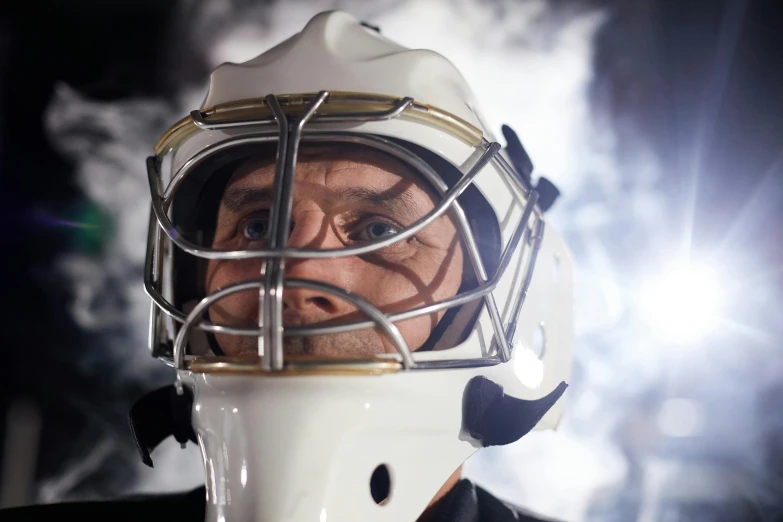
[(184, 507), (467, 502), (492, 509)]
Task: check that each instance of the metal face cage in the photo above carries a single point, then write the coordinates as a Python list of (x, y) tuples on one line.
[(170, 327)]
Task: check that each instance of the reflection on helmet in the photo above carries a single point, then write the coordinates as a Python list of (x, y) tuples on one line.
[(336, 249)]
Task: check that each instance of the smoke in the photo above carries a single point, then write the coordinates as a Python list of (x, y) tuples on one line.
[(531, 64), (108, 143)]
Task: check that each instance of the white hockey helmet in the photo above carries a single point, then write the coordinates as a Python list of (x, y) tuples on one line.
[(297, 439)]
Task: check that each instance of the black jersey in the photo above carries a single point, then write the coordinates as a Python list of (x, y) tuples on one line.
[(466, 502)]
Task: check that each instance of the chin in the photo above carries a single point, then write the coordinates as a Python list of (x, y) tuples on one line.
[(366, 344)]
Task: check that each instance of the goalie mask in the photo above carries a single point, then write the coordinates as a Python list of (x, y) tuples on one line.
[(356, 286)]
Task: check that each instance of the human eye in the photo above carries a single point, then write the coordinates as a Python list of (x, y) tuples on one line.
[(374, 230), (253, 228)]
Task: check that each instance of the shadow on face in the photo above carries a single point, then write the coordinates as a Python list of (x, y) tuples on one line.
[(343, 196)]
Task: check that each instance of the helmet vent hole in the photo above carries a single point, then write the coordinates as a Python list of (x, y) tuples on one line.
[(380, 484)]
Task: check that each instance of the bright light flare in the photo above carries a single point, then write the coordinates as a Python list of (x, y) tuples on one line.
[(682, 304), (680, 418)]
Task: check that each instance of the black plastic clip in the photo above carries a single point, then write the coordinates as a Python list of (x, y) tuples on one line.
[(520, 160), (159, 414), (494, 418)]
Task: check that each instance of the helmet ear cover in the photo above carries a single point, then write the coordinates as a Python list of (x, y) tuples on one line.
[(198, 198)]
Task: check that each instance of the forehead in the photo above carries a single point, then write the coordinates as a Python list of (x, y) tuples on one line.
[(334, 167)]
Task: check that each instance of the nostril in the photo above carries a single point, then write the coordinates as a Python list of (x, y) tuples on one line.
[(302, 300), (321, 302)]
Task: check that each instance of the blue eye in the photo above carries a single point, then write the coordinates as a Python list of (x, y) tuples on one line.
[(379, 230), (255, 228)]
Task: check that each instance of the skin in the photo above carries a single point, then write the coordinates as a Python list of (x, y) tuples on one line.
[(342, 197)]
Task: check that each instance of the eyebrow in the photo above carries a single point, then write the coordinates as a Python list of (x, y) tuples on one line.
[(397, 202), (394, 201), (237, 199)]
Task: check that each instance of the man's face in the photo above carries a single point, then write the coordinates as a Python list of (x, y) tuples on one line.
[(342, 197)]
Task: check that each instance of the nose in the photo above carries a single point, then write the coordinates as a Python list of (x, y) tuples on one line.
[(305, 300), (315, 234)]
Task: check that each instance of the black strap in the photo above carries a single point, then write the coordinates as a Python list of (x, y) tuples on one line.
[(168, 507)]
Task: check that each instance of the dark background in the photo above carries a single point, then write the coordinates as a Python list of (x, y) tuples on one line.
[(686, 75)]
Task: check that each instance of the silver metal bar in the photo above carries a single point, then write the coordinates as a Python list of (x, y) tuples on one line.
[(457, 363), (157, 207), (302, 253), (505, 259), (489, 301), (378, 317), (203, 124), (195, 314), (497, 326), (152, 331), (457, 300), (279, 225), (208, 326), (393, 149), (180, 316), (153, 166), (270, 346), (200, 308), (395, 111), (162, 303), (152, 234), (537, 238), (519, 273), (162, 200), (475, 255), (369, 116), (364, 306), (466, 233), (447, 303), (374, 141)]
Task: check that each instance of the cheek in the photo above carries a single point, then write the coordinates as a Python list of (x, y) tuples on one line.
[(239, 308), (416, 331), (453, 267), (429, 276)]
